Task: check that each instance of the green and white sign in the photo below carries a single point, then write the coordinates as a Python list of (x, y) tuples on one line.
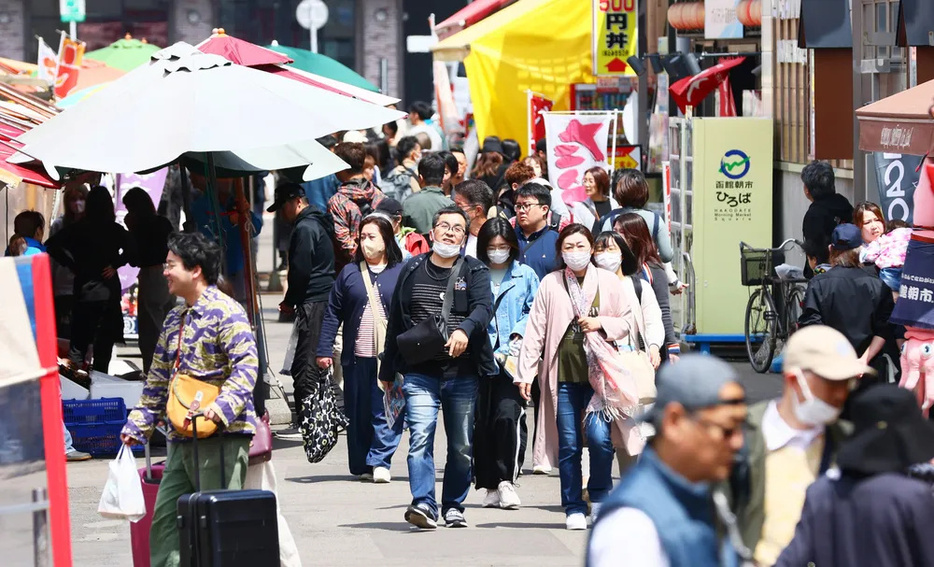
[(72, 10)]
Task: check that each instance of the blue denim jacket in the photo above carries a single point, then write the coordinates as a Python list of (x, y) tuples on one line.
[(517, 291)]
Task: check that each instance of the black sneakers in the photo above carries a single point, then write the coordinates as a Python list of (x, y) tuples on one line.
[(421, 517)]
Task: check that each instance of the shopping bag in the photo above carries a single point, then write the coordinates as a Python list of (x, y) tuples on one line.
[(123, 494), (393, 401), (321, 421)]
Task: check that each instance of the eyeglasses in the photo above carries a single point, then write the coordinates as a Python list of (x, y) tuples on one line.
[(169, 265), (527, 206), (725, 432), (444, 227)]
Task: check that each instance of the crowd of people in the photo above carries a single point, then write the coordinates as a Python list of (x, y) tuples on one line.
[(483, 295)]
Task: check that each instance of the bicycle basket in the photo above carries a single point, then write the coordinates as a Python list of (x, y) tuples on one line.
[(757, 267)]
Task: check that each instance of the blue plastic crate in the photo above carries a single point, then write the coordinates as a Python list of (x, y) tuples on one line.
[(99, 439), (103, 410)]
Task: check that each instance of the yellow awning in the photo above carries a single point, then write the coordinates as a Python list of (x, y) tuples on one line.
[(542, 45)]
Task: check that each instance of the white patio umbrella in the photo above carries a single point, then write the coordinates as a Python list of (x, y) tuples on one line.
[(199, 106)]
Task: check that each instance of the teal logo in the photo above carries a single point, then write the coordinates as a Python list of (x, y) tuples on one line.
[(734, 164)]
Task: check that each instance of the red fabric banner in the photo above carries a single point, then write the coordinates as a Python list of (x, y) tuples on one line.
[(690, 91)]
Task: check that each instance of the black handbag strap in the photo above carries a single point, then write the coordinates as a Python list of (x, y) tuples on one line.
[(449, 292)]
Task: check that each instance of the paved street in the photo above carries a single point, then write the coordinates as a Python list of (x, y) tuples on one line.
[(338, 521)]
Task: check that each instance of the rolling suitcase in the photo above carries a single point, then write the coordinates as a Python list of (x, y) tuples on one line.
[(227, 528), (139, 531)]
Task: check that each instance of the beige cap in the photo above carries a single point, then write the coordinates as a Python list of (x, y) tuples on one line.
[(825, 352)]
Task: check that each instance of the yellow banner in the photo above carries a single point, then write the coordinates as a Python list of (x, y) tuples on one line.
[(615, 36)]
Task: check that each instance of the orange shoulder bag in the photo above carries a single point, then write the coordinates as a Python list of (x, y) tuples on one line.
[(188, 395)]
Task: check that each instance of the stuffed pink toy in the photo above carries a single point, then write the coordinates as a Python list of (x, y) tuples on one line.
[(915, 306)]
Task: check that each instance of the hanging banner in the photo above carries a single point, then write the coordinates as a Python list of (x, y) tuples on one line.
[(70, 54), (153, 184), (48, 62), (627, 157), (576, 142), (690, 91), (897, 177), (615, 36), (537, 104), (720, 21), (666, 192), (727, 104), (915, 305)]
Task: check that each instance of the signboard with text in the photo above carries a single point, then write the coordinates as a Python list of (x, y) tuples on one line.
[(720, 21), (732, 202), (615, 36), (897, 177)]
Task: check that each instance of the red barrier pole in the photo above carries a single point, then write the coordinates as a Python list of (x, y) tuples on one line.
[(50, 391)]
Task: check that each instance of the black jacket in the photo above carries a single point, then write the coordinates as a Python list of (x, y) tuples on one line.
[(822, 216), (478, 314), (851, 301), (311, 257), (885, 520)]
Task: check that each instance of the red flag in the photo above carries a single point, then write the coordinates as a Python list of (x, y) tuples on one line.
[(727, 104), (537, 105), (690, 91), (70, 54)]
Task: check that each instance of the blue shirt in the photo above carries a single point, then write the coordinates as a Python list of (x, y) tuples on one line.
[(202, 213), (538, 250), (319, 191)]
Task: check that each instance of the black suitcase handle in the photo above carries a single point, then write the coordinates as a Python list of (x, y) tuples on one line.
[(194, 451)]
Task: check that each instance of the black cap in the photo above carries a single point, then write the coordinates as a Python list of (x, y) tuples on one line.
[(491, 144), (846, 236), (285, 193), (391, 207)]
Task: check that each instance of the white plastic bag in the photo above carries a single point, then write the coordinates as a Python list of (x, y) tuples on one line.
[(123, 494)]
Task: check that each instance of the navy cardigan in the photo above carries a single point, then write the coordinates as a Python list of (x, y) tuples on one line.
[(346, 303)]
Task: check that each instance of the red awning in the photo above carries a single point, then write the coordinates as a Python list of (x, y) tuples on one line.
[(8, 133), (468, 16)]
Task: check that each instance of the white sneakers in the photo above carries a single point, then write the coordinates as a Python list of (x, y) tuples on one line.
[(539, 469), (381, 475), (508, 497), (504, 497), (576, 521)]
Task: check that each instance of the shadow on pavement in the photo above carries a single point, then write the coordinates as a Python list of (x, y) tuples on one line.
[(400, 526), (338, 478), (523, 526)]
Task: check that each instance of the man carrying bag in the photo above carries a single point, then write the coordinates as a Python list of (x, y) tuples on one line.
[(437, 339), (205, 361)]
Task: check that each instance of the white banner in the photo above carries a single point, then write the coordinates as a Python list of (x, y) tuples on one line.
[(48, 62), (576, 142), (720, 21)]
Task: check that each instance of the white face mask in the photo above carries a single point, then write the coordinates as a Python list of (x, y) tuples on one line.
[(446, 250), (813, 410), (497, 256), (609, 260), (576, 260)]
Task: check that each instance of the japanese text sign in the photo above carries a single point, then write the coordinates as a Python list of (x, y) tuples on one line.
[(615, 36), (915, 305)]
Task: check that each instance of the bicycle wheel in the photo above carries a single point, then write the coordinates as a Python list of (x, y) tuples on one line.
[(760, 330), (793, 308)]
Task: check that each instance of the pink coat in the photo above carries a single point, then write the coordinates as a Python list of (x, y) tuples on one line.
[(548, 322)]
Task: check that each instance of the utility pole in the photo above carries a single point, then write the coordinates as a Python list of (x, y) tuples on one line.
[(859, 160)]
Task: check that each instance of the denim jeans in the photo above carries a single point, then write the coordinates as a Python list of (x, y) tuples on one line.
[(69, 442), (457, 398), (370, 441), (572, 401)]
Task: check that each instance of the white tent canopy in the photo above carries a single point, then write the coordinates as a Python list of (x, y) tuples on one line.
[(188, 102)]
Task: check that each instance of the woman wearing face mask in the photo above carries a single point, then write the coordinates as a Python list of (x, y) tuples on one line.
[(63, 279), (579, 311), (636, 234), (374, 273), (499, 443)]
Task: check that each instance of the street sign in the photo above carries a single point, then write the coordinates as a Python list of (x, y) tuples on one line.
[(615, 36), (311, 14), (72, 10)]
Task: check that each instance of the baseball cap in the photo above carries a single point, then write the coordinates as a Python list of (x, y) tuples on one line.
[(694, 382), (285, 193), (846, 236), (391, 207), (354, 137), (825, 352)]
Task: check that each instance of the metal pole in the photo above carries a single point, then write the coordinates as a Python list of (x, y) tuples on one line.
[(859, 159), (314, 39), (73, 29), (40, 529), (642, 120)]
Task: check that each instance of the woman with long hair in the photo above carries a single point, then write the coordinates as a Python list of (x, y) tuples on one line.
[(632, 228), (150, 235), (851, 300), (93, 248), (74, 200), (491, 164), (578, 312), (499, 445), (360, 299), (598, 203)]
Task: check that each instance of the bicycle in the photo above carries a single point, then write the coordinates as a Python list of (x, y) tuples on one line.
[(767, 324)]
